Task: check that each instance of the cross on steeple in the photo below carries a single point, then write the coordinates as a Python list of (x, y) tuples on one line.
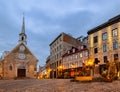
[(22, 35)]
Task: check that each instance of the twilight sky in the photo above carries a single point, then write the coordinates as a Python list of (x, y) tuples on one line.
[(46, 19)]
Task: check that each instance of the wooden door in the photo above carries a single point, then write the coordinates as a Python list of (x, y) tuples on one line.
[(21, 73)]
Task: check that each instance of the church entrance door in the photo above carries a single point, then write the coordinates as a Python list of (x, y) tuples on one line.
[(21, 73)]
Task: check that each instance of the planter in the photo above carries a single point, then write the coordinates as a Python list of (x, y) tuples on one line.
[(83, 78)]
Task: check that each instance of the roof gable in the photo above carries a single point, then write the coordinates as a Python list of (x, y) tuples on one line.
[(17, 50)]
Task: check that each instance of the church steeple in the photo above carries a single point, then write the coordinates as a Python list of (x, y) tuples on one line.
[(22, 35), (23, 26)]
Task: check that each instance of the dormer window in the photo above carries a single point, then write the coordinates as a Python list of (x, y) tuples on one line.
[(74, 50), (81, 47), (68, 52)]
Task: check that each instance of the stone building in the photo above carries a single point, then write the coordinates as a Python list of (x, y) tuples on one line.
[(58, 47), (73, 61), (20, 61), (104, 43), (48, 67), (42, 72)]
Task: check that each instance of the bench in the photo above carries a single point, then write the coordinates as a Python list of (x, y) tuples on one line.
[(83, 78)]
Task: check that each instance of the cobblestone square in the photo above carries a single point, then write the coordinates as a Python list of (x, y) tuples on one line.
[(57, 85)]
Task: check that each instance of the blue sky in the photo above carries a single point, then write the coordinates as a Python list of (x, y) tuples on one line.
[(46, 19)]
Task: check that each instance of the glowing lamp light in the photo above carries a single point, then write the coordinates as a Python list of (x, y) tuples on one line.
[(60, 67), (90, 62)]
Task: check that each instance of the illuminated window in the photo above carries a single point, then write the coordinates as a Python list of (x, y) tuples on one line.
[(104, 36), (114, 32), (115, 45), (104, 48), (80, 54), (95, 39)]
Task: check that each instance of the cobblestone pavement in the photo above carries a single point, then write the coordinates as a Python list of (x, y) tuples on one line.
[(57, 85)]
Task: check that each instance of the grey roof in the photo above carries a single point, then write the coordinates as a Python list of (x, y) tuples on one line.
[(109, 22)]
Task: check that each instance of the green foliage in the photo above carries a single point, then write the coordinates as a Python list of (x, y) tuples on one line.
[(110, 73)]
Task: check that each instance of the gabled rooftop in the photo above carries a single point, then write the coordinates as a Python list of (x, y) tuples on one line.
[(74, 50)]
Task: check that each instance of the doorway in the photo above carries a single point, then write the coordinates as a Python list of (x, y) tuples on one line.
[(21, 73)]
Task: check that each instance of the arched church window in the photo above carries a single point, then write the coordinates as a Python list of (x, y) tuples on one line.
[(10, 67), (22, 38)]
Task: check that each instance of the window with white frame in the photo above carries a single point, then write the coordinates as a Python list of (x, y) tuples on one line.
[(74, 50), (104, 36), (115, 45), (71, 57), (68, 52), (86, 53), (104, 48), (115, 32), (76, 56), (80, 54)]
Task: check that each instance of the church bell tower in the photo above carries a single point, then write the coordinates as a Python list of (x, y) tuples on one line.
[(22, 35)]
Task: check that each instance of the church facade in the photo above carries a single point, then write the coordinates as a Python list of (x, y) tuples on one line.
[(20, 61)]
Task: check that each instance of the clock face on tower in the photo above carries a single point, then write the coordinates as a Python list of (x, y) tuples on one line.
[(22, 48), (22, 56)]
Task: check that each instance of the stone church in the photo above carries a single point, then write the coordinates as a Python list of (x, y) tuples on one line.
[(20, 61)]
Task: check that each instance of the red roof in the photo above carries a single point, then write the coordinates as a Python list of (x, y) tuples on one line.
[(74, 50)]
